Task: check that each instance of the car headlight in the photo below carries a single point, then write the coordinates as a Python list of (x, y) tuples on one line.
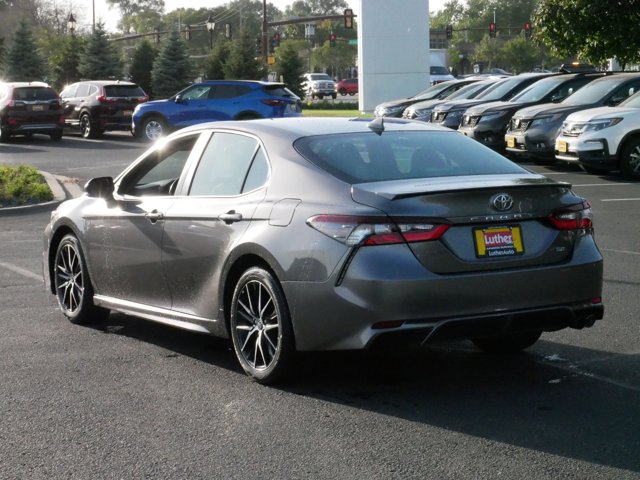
[(393, 110), (423, 112), (542, 121), (578, 128), (489, 117)]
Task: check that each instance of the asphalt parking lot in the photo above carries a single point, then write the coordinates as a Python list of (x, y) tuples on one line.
[(132, 399)]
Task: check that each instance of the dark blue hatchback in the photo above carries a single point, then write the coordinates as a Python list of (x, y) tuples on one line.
[(214, 100)]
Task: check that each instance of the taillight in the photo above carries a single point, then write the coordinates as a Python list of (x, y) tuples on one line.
[(366, 231), (272, 102), (104, 99), (575, 217), (143, 99)]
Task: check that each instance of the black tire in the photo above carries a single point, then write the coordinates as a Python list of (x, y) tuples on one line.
[(88, 128), (248, 116), (630, 160), (351, 94), (334, 96), (153, 128), (343, 92), (320, 96), (4, 135), (73, 285), (511, 343), (261, 327), (56, 136)]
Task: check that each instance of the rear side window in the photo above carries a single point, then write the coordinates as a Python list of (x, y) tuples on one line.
[(31, 94), (367, 157), (278, 91), (123, 91), (224, 165), (83, 90), (221, 92)]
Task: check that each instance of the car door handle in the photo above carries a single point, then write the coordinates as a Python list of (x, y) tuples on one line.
[(154, 216), (230, 217)]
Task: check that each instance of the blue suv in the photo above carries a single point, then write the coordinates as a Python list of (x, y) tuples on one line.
[(214, 100)]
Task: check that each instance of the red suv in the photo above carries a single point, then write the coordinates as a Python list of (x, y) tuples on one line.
[(29, 107), (347, 86)]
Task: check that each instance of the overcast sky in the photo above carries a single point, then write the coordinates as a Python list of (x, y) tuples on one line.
[(110, 17)]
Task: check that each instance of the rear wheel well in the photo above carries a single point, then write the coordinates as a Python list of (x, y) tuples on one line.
[(53, 248), (240, 266), (248, 115)]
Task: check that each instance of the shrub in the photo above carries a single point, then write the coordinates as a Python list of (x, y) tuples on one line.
[(22, 185)]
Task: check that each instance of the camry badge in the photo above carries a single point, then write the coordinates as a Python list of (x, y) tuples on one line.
[(502, 202)]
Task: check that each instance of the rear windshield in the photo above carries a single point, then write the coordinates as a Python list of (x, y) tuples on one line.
[(278, 91), (30, 94), (367, 157), (123, 91)]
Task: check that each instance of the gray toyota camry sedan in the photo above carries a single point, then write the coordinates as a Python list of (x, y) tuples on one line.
[(303, 234)]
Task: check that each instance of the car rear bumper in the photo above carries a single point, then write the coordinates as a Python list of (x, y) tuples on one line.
[(353, 309)]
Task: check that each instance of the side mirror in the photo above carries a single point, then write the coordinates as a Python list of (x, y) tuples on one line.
[(100, 187), (178, 99)]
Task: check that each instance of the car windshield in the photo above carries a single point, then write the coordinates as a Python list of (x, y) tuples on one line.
[(320, 76), (470, 91), (433, 91), (537, 91), (123, 91), (30, 94), (633, 101), (593, 92), (438, 70), (368, 157), (500, 89)]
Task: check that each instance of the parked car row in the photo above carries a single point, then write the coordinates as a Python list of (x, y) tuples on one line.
[(97, 106), (546, 117)]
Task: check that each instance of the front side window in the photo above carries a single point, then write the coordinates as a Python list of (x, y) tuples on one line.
[(159, 172), (197, 92), (225, 164)]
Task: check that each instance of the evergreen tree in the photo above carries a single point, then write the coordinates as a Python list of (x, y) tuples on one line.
[(172, 69), (142, 65), (99, 60), (242, 64), (214, 66), (65, 61), (290, 65), (23, 61)]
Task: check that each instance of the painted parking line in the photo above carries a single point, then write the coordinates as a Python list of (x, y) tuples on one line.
[(21, 271), (620, 200), (612, 184), (102, 142), (625, 252)]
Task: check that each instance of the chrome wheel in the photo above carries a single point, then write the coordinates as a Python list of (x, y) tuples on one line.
[(72, 284), (86, 126), (260, 326), (69, 278), (153, 129)]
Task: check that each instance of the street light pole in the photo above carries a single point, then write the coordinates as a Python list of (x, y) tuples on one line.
[(93, 11), (211, 25)]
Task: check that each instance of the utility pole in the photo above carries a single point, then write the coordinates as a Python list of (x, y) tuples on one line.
[(265, 29)]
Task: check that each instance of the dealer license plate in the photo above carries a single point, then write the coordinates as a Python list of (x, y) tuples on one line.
[(37, 108), (498, 241), (127, 113), (511, 141), (562, 146)]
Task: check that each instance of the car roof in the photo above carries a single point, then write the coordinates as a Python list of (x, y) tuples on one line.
[(26, 84), (247, 82), (297, 127), (108, 82)]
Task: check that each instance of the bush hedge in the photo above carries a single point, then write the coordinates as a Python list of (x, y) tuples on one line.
[(22, 185)]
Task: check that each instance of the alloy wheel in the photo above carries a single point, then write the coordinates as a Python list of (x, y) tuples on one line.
[(69, 279)]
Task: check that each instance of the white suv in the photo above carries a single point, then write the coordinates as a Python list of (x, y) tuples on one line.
[(603, 138), (317, 85)]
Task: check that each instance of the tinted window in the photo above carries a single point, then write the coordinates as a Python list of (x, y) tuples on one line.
[(160, 170), (505, 87), (93, 90), (30, 94), (438, 70), (220, 92), (367, 157), (123, 91), (278, 91), (224, 164), (469, 91), (594, 92), (439, 89), (197, 92)]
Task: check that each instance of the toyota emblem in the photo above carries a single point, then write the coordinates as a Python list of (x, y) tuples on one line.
[(502, 202)]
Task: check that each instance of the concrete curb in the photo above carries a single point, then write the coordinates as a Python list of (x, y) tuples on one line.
[(62, 188)]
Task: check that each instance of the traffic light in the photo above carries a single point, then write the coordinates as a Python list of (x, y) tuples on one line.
[(187, 32), (276, 39), (348, 18), (492, 30), (227, 31), (332, 40), (527, 30), (449, 32)]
